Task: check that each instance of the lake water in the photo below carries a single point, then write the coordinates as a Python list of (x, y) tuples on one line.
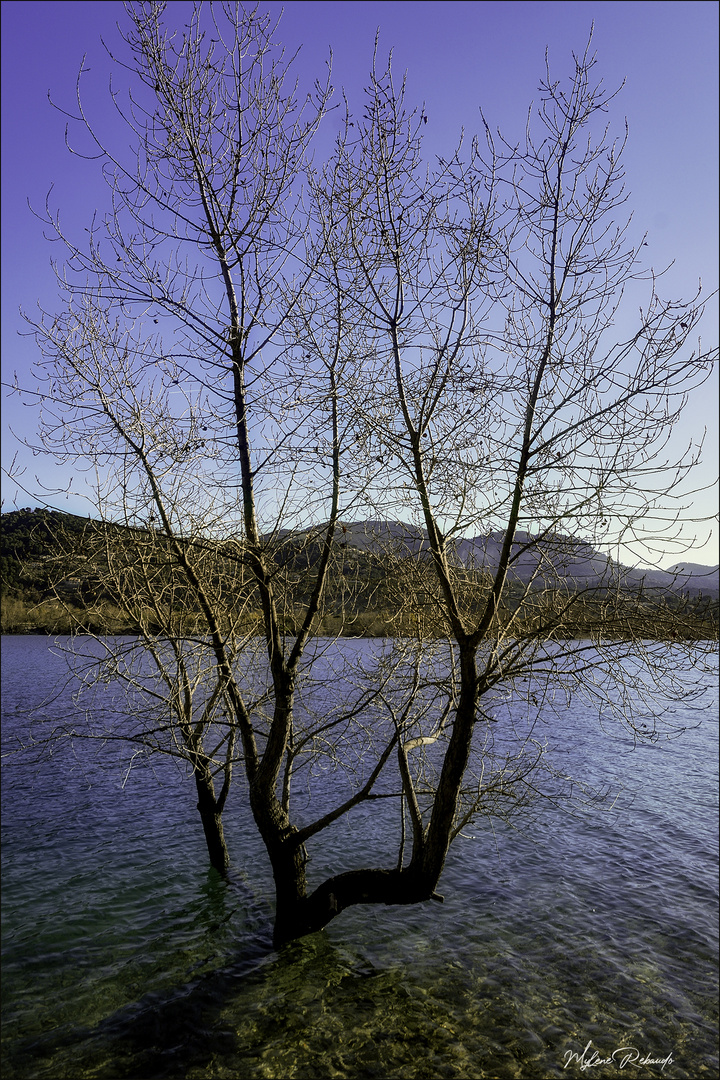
[(558, 945)]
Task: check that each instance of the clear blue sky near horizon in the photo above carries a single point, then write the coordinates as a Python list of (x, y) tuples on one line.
[(458, 56)]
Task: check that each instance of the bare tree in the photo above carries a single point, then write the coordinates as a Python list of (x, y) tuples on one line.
[(501, 405), (206, 240), (256, 352)]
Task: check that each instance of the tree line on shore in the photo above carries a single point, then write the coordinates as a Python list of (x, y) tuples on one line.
[(59, 575)]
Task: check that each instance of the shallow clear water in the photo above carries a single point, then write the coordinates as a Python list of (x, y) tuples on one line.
[(123, 956)]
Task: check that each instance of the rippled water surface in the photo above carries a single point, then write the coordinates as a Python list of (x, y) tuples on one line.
[(123, 956)]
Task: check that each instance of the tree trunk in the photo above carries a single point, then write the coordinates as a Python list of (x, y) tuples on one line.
[(288, 859), (437, 839), (300, 915), (291, 915), (211, 820)]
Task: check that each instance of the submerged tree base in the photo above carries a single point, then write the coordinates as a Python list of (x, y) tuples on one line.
[(363, 886)]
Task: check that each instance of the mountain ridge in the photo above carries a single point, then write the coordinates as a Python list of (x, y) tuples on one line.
[(578, 558)]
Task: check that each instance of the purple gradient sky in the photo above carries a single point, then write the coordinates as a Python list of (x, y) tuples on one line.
[(458, 55)]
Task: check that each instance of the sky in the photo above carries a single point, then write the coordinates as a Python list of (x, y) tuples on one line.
[(458, 56)]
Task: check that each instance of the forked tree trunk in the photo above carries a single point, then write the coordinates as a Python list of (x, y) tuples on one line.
[(298, 914)]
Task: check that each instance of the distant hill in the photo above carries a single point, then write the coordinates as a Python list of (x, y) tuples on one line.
[(551, 559), (695, 577)]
